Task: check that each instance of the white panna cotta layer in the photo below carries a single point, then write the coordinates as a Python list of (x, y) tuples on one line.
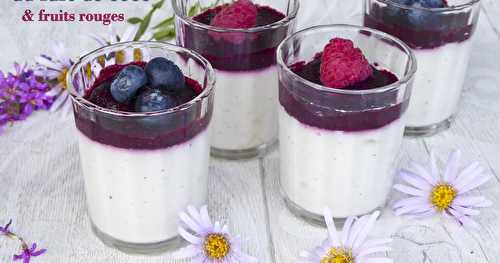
[(245, 113), (438, 83), (349, 172), (135, 195)]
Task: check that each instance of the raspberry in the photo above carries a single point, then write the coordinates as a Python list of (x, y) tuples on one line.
[(240, 14), (343, 65)]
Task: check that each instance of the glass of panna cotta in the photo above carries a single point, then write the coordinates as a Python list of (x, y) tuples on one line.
[(240, 38), (343, 92), (144, 140), (439, 33)]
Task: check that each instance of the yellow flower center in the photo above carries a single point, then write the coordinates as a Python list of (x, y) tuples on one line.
[(88, 71), (336, 255), (442, 196), (120, 57), (61, 79), (137, 54), (101, 60), (216, 246)]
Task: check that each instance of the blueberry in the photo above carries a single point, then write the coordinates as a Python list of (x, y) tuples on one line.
[(128, 81), (406, 2), (425, 19), (186, 95), (432, 3), (397, 12), (164, 74), (154, 100)]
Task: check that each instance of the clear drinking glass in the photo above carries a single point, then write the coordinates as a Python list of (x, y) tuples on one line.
[(245, 117), (441, 41), (142, 169), (338, 147)]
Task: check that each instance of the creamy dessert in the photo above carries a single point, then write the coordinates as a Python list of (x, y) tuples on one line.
[(341, 127), (144, 151), (240, 40), (439, 32)]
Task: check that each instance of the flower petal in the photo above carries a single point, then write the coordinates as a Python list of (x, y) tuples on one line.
[(200, 259), (413, 209), (466, 211), (463, 219), (60, 101), (187, 252), (410, 190), (98, 39), (367, 228), (423, 214), (192, 224), (410, 201), (480, 180), (332, 230), (414, 180), (372, 250), (472, 201), (129, 34), (347, 229), (217, 227), (189, 237), (451, 170), (434, 166), (48, 63), (355, 229), (422, 172), (468, 173), (38, 253), (205, 218)]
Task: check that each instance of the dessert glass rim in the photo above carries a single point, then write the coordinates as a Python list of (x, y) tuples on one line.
[(208, 85), (465, 5), (410, 72), (189, 20)]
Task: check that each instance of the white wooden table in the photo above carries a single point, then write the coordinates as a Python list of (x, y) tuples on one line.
[(41, 186)]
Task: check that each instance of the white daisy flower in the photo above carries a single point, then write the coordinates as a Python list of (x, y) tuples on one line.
[(53, 69), (209, 243), (433, 194), (351, 245), (124, 56)]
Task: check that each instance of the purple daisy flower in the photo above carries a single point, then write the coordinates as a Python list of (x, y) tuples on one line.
[(210, 243), (433, 194), (54, 69), (5, 229), (21, 93), (351, 245), (28, 253)]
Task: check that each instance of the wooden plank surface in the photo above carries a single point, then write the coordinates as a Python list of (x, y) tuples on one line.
[(41, 185)]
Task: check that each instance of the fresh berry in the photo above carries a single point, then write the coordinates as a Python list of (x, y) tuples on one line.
[(343, 65), (163, 74), (101, 96), (406, 2), (154, 100), (432, 3), (426, 19), (240, 14), (128, 82)]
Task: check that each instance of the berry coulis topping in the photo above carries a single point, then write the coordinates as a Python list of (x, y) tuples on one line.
[(343, 65), (142, 87), (240, 14)]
